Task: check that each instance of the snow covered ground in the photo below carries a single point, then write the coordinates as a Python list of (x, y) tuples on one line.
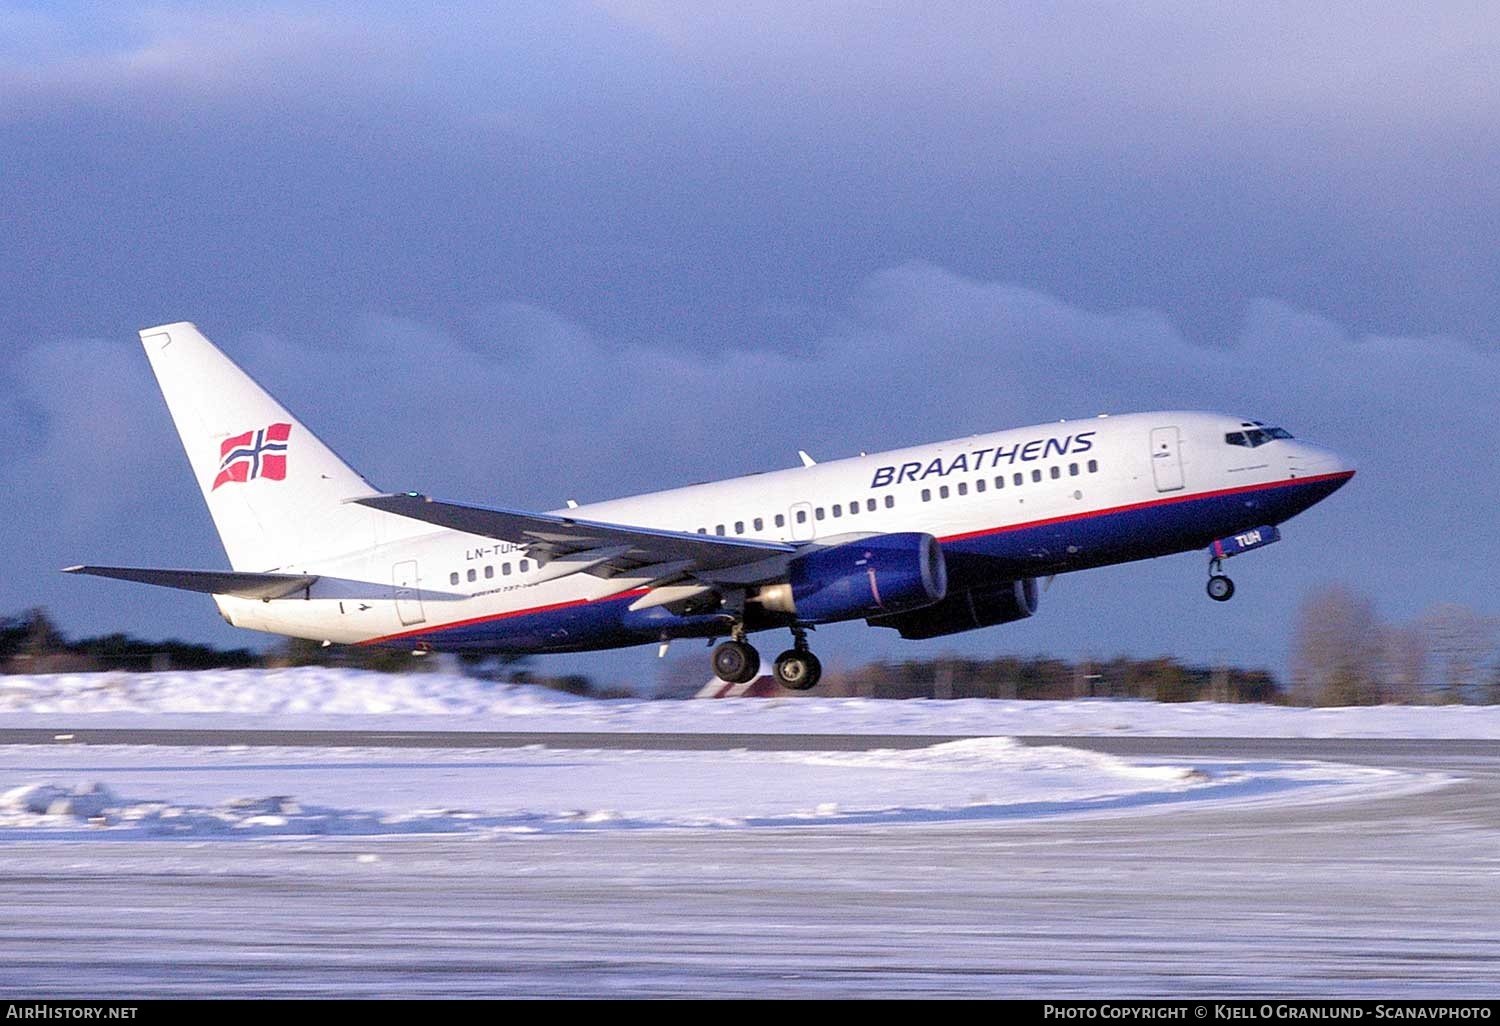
[(146, 792), (1359, 866), (152, 792)]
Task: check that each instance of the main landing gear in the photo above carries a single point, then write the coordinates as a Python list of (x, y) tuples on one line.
[(737, 662), (797, 668), (1220, 587)]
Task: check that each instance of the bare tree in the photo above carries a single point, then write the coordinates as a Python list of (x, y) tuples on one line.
[(1462, 643), (1336, 649), (1403, 661)]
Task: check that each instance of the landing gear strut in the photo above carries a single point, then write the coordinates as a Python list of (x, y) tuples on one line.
[(797, 668), (1220, 587)]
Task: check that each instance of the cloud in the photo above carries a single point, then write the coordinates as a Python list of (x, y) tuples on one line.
[(167, 55), (1192, 61)]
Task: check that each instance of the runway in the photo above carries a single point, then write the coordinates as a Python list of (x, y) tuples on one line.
[(1389, 896), (1377, 751)]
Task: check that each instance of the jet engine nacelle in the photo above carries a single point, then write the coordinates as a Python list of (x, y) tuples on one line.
[(884, 574), (967, 610)]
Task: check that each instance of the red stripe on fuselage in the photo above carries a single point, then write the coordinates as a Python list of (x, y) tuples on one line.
[(1149, 503), (491, 617)]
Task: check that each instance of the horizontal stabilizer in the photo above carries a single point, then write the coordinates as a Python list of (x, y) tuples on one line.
[(210, 582)]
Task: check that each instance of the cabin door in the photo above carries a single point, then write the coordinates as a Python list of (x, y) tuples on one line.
[(408, 597), (1166, 458), (803, 528)]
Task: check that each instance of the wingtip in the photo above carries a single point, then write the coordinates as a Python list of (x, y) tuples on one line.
[(387, 496), (74, 569)]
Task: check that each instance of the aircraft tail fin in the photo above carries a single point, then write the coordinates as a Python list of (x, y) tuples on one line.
[(276, 493)]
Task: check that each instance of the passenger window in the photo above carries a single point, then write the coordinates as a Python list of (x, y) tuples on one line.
[(780, 520), (1093, 466), (702, 530), (525, 566), (1036, 475), (1017, 479), (890, 502), (1056, 473), (926, 494), (719, 530), (489, 572), (943, 492), (999, 481), (802, 516), (453, 577), (1072, 470), (760, 524), (979, 485), (739, 527), (870, 505), (505, 569), (854, 507), (838, 509), (818, 513), (472, 575), (963, 488)]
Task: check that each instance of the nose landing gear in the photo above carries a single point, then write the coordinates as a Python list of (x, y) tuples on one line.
[(1220, 587)]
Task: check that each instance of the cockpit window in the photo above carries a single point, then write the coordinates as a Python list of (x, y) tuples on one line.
[(1256, 435)]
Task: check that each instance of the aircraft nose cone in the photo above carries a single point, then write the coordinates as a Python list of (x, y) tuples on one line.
[(1316, 461)]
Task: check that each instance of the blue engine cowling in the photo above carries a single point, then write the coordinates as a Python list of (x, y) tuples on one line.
[(888, 573), (967, 610)]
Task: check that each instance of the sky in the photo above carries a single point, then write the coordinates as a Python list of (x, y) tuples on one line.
[(519, 253)]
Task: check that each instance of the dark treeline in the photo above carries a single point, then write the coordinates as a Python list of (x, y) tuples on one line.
[(1159, 680), (31, 642), (1342, 653)]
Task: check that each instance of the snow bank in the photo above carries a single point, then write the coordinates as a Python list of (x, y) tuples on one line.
[(150, 792), (327, 698)]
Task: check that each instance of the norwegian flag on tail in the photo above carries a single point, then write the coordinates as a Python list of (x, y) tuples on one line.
[(260, 453)]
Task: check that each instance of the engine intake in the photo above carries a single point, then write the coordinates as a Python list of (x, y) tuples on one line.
[(881, 575)]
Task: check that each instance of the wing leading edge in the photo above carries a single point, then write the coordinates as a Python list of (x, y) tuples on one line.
[(565, 545)]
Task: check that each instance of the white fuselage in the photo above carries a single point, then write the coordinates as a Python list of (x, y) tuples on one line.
[(1024, 502)]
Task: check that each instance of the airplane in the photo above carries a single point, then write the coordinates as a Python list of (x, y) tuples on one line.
[(929, 541)]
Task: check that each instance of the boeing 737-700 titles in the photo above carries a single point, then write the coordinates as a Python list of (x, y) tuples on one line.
[(928, 541)]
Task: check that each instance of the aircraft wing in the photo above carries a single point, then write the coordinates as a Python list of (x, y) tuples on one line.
[(566, 545), (211, 582)]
